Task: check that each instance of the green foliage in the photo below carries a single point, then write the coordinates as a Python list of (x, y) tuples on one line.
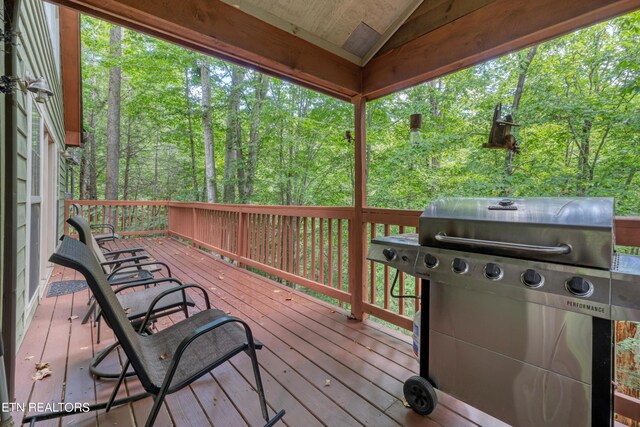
[(579, 100), (579, 133)]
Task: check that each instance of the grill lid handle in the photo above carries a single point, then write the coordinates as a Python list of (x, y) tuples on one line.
[(561, 249)]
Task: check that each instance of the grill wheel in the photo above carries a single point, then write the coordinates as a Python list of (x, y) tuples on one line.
[(420, 395)]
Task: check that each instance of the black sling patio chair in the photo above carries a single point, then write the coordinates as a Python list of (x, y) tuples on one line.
[(135, 264), (127, 273), (171, 359), (107, 231), (135, 304)]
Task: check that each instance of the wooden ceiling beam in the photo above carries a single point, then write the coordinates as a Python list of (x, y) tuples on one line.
[(71, 75), (499, 27), (221, 30)]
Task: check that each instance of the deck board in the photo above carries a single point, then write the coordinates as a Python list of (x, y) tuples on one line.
[(323, 368)]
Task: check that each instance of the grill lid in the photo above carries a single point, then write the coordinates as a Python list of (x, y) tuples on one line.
[(577, 231)]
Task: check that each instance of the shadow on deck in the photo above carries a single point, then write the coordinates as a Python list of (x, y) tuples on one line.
[(321, 367)]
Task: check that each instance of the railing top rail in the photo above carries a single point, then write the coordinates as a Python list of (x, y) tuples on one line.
[(117, 202), (338, 212)]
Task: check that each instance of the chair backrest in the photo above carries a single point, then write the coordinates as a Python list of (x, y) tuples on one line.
[(84, 233), (76, 255)]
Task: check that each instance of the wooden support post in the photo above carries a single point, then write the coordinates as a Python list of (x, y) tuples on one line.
[(357, 277)]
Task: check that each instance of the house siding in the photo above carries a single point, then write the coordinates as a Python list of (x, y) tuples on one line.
[(36, 58)]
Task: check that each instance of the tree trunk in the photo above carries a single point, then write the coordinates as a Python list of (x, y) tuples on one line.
[(87, 166), (127, 162), (155, 171), (261, 88), (207, 126), (113, 123), (517, 96), (113, 116), (233, 134), (187, 100)]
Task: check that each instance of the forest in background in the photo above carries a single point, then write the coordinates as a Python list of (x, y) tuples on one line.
[(183, 126)]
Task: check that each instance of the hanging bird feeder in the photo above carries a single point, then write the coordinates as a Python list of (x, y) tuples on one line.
[(500, 136)]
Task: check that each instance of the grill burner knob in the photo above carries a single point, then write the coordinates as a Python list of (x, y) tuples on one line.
[(579, 286), (430, 261), (389, 254), (532, 278), (459, 266), (492, 271)]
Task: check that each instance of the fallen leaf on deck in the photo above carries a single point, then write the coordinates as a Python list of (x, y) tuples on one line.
[(163, 356), (288, 299), (42, 371), (84, 348), (127, 310), (228, 312), (221, 277), (369, 348), (276, 290), (213, 289), (405, 403), (327, 383), (72, 318), (333, 311), (29, 357)]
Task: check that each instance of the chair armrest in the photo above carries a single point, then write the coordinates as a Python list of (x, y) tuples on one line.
[(128, 259), (136, 283), (131, 251), (103, 226), (139, 264), (180, 288)]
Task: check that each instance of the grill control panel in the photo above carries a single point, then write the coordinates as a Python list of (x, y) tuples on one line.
[(578, 289), (566, 287)]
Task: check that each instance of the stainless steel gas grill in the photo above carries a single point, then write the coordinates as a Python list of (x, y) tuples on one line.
[(518, 301)]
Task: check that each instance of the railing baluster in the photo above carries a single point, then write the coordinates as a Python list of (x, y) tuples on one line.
[(372, 269), (339, 284), (291, 245), (401, 283), (321, 248), (313, 248), (304, 248), (330, 252), (386, 275)]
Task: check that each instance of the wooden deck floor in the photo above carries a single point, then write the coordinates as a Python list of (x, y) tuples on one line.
[(321, 367)]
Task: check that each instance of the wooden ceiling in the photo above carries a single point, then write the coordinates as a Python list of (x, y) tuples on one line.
[(352, 29), (355, 48)]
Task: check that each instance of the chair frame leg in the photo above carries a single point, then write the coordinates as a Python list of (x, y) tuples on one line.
[(256, 373)]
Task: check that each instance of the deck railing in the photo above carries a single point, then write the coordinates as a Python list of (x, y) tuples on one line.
[(130, 218), (310, 246), (307, 246)]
